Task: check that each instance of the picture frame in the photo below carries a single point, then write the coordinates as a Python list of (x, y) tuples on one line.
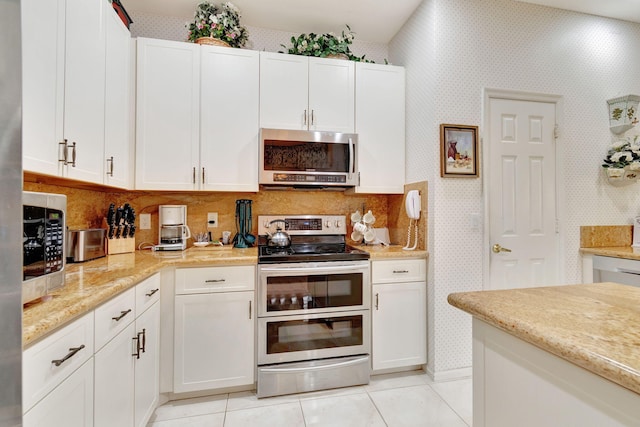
[(459, 151)]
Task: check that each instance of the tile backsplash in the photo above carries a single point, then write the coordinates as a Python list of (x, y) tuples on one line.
[(87, 206)]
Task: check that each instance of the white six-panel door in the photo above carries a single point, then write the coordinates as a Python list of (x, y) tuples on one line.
[(522, 194)]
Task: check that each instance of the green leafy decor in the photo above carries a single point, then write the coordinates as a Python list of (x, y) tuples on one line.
[(324, 45)]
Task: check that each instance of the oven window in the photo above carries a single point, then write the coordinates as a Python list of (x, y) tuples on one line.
[(314, 291), (305, 156), (287, 336)]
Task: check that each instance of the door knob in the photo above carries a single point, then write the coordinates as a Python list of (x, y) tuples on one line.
[(497, 249)]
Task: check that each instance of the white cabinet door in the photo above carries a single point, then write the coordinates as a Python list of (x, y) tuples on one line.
[(284, 86), (380, 125), (331, 95), (214, 341), (399, 324), (167, 115), (230, 90), (147, 367), (117, 145), (84, 88), (114, 375), (42, 84), (69, 405)]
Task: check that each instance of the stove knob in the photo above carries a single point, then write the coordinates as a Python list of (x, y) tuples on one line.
[(338, 224), (266, 224), (328, 224)]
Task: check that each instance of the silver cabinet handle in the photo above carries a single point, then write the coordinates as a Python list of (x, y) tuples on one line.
[(194, 175), (110, 161), (214, 281), (153, 291), (122, 314), (72, 352), (64, 160), (312, 118), (400, 271), (305, 117), (141, 343), (377, 301), (73, 154), (203, 175), (249, 309)]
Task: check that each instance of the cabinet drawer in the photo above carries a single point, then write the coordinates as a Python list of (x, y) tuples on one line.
[(113, 316), (399, 270), (40, 374), (215, 279), (147, 293)]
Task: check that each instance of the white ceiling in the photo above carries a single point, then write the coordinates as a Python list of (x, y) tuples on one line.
[(372, 20)]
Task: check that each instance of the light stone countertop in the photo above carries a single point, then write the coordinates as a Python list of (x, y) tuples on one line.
[(594, 326), (89, 284), (626, 252)]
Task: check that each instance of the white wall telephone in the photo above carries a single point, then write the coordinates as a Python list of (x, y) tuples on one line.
[(413, 203)]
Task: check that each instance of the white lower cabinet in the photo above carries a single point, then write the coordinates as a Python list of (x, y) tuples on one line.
[(399, 314), (214, 330), (57, 377), (127, 367), (69, 405)]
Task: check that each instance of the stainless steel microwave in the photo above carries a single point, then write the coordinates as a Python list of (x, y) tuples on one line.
[(301, 158), (43, 243)]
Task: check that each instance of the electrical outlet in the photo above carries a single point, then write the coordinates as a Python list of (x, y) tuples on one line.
[(145, 221), (212, 219)]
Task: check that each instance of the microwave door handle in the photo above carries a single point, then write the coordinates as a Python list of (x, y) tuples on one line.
[(315, 269), (352, 163)]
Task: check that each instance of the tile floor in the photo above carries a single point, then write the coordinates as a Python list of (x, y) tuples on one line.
[(393, 400)]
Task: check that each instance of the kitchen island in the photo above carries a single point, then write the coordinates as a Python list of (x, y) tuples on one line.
[(556, 356)]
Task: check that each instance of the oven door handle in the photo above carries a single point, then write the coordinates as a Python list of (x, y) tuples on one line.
[(315, 270), (314, 368)]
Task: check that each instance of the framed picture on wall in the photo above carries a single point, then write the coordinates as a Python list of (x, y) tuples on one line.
[(458, 151)]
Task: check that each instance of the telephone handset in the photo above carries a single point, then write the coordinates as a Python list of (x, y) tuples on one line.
[(413, 204)]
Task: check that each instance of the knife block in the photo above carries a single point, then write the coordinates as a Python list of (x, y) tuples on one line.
[(119, 246)]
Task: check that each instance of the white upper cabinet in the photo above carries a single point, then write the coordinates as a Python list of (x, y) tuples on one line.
[(117, 145), (297, 92), (229, 124), (42, 84), (84, 89), (75, 70), (380, 125), (167, 115)]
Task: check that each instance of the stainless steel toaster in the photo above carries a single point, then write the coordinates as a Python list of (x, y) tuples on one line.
[(85, 245)]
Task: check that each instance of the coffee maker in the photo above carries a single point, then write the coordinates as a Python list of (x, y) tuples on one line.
[(173, 230)]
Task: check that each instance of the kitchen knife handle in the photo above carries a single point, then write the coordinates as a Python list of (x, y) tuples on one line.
[(110, 161)]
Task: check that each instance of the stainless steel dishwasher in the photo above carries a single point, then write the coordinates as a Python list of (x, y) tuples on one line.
[(619, 270)]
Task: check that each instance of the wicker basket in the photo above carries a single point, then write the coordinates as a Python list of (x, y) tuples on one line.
[(212, 42), (338, 56)]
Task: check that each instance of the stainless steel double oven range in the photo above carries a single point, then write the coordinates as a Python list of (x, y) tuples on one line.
[(314, 301)]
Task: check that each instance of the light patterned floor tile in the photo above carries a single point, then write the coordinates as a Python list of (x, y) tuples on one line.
[(208, 420), (400, 379), (191, 407), (284, 415), (344, 391), (248, 399), (341, 411), (459, 395), (415, 406)]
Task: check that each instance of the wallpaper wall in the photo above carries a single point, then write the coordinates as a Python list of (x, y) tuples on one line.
[(452, 49), (173, 28)]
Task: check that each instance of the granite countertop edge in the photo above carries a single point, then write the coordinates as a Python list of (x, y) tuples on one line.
[(573, 349), (92, 283)]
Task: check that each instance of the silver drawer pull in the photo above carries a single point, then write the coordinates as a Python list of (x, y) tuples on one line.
[(153, 291), (122, 314), (72, 352), (214, 281), (400, 271)]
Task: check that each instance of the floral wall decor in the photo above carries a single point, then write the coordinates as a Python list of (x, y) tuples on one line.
[(220, 22)]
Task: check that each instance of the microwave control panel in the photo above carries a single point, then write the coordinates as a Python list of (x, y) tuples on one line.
[(302, 178)]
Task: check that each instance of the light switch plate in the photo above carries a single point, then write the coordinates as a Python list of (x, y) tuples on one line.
[(212, 219), (145, 221)]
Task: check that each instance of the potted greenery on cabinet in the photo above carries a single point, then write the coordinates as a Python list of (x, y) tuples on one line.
[(217, 25)]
